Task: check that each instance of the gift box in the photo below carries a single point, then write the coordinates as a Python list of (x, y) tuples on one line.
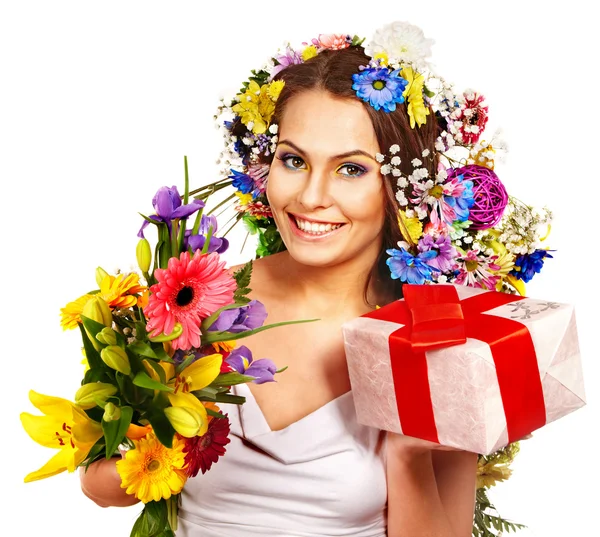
[(465, 367)]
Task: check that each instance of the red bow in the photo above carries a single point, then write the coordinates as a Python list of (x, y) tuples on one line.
[(434, 317)]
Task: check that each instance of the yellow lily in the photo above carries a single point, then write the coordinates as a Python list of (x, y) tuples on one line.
[(65, 427), (194, 377)]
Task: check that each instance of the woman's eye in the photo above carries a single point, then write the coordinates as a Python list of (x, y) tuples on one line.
[(353, 170), (292, 161)]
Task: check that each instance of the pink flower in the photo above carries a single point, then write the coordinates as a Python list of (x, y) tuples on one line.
[(188, 291), (333, 41), (476, 270)]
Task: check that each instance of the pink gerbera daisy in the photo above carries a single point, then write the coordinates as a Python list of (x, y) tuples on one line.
[(477, 270), (188, 291)]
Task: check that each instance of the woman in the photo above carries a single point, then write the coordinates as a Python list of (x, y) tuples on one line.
[(298, 463)]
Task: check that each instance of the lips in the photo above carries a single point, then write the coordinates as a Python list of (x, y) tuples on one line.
[(310, 229)]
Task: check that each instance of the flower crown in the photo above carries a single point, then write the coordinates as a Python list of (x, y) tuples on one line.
[(458, 226)]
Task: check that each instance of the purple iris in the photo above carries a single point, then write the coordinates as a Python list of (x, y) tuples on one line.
[(241, 360), (408, 268), (196, 242), (530, 264), (248, 317), (445, 252), (168, 207)]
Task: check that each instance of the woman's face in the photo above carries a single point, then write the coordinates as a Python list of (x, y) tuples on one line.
[(324, 186)]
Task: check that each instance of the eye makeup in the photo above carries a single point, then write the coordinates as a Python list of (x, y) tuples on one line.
[(361, 170)]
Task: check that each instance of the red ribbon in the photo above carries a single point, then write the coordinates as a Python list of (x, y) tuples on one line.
[(434, 317)]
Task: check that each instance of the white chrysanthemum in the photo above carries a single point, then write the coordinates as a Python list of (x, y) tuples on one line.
[(401, 41)]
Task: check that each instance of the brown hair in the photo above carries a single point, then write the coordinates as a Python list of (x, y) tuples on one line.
[(332, 70)]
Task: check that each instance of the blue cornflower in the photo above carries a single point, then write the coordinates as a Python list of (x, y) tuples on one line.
[(408, 268), (380, 87), (530, 264), (242, 182)]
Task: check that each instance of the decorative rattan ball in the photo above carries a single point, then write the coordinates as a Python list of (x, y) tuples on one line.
[(490, 195)]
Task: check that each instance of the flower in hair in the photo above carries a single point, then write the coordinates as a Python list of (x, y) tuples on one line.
[(417, 111), (401, 42), (380, 87), (256, 105)]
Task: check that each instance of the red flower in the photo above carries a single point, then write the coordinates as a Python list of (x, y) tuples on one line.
[(202, 451), (473, 117)]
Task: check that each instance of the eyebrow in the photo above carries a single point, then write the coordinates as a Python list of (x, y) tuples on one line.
[(335, 157)]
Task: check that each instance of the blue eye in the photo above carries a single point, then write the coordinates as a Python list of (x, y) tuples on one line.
[(357, 170), (292, 162)]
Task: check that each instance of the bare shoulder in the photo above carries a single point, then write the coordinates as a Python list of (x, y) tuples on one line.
[(265, 272)]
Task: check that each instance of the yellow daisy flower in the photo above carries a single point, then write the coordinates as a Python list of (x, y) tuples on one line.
[(152, 471), (70, 315), (309, 52), (413, 93), (118, 291)]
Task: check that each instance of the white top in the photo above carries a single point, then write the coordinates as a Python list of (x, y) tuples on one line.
[(323, 475)]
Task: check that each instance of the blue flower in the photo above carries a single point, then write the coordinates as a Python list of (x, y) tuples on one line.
[(530, 264), (408, 268), (380, 87), (242, 182)]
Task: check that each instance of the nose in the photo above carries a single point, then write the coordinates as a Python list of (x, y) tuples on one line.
[(315, 190)]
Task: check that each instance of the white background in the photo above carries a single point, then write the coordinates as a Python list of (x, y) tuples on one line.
[(99, 103)]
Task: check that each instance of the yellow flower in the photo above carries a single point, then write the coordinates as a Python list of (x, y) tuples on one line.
[(413, 93), (488, 474), (384, 58), (274, 89), (195, 376), (485, 156), (257, 104), (225, 346), (65, 427), (118, 291), (152, 471), (309, 52), (70, 315), (411, 228), (244, 198)]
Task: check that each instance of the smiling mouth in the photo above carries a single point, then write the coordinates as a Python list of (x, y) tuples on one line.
[(314, 228)]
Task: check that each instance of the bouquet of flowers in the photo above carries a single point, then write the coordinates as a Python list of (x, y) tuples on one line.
[(160, 356), (456, 221)]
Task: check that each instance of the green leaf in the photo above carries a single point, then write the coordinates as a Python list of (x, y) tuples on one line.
[(213, 337), (230, 379), (214, 413), (142, 348), (209, 393), (243, 275), (91, 354), (159, 370), (114, 431), (156, 416), (230, 398), (143, 380), (428, 92), (92, 327), (153, 520)]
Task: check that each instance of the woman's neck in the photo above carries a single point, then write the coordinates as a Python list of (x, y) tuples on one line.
[(335, 292)]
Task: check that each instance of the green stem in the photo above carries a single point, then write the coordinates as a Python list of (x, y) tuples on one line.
[(228, 198), (213, 337)]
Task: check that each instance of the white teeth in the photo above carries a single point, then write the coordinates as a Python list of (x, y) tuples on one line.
[(315, 228)]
